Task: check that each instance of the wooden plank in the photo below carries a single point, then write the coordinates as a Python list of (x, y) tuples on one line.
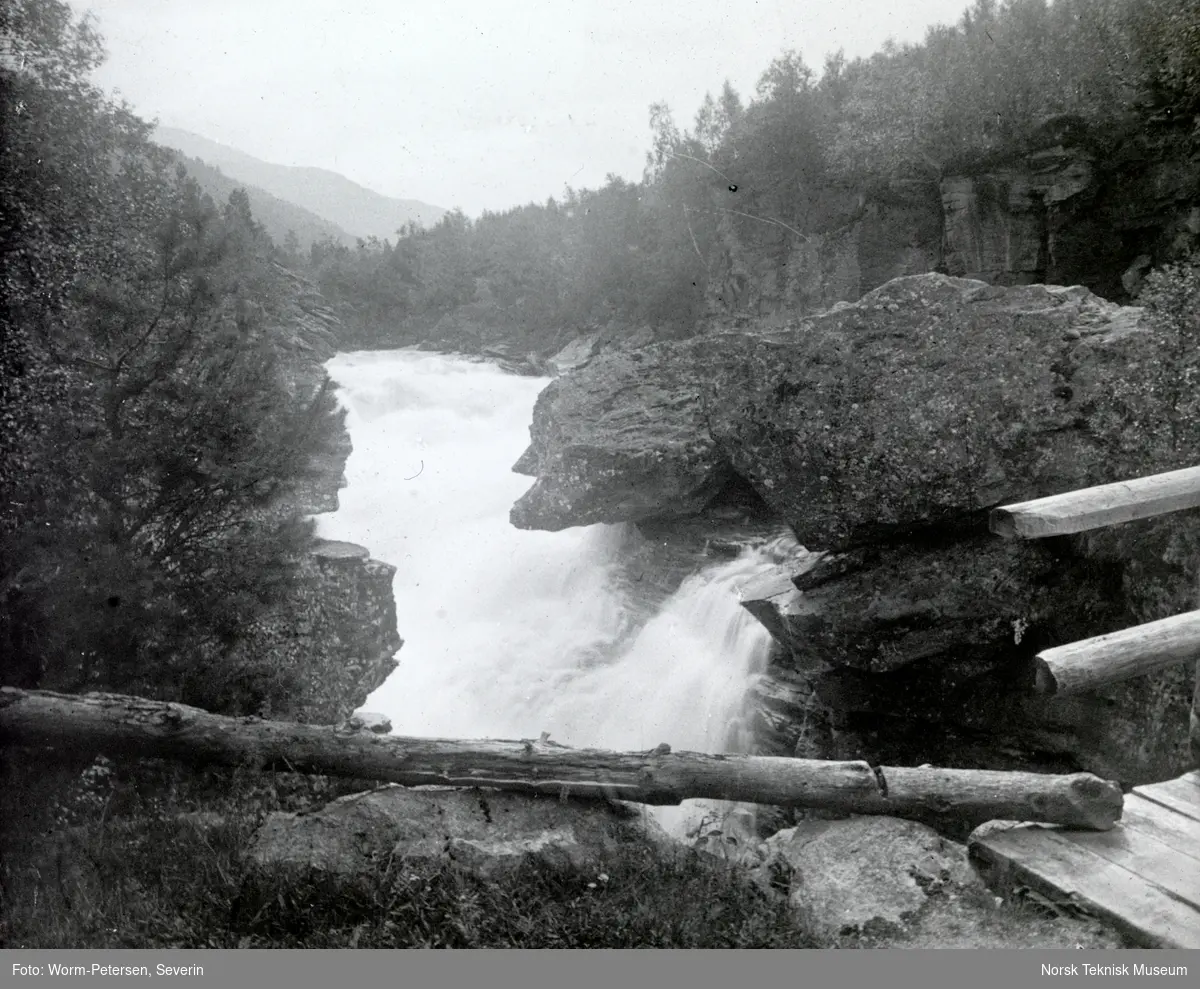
[(1180, 795), (1131, 652), (1181, 833), (1092, 508), (1144, 856), (1174, 795), (1061, 870)]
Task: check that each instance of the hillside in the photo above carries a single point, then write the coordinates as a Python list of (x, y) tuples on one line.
[(277, 215), (1004, 148), (359, 211)]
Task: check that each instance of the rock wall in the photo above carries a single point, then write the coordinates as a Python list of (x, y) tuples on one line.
[(339, 634), (1072, 210), (344, 631), (306, 334), (871, 238), (882, 433)]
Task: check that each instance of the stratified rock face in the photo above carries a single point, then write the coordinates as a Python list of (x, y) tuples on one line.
[(621, 439), (306, 334), (866, 240), (1029, 222), (483, 831), (1063, 212)]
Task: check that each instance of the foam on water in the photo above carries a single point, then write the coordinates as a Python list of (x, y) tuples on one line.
[(511, 633)]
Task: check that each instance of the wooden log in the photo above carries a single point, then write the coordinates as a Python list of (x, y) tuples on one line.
[(1093, 508), (117, 724), (931, 794), (1122, 655)]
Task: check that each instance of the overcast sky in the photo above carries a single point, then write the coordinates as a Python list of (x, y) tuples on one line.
[(481, 104)]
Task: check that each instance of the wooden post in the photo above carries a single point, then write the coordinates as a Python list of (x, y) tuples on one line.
[(117, 724), (1093, 508), (1122, 655)]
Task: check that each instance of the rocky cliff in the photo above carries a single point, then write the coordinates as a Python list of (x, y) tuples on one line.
[(882, 432), (341, 632), (1073, 208)]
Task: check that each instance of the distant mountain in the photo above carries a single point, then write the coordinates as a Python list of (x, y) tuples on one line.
[(277, 215), (333, 197)]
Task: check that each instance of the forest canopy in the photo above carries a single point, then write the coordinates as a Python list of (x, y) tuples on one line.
[(993, 84)]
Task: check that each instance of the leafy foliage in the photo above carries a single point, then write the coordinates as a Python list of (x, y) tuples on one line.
[(155, 428)]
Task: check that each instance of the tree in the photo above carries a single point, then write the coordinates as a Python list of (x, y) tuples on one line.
[(1165, 38), (150, 524)]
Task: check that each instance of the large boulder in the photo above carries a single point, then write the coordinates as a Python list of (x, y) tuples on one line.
[(338, 632), (485, 831), (621, 439), (931, 400), (906, 654), (881, 881), (851, 875), (916, 409)]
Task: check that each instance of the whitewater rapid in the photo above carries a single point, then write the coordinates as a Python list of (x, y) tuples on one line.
[(510, 633)]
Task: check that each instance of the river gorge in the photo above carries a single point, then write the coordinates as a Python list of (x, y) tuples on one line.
[(508, 632), (652, 586)]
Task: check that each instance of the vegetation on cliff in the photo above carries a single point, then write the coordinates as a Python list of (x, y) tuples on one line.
[(152, 429), (795, 162)]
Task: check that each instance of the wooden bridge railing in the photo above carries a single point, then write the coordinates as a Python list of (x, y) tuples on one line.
[(1130, 652)]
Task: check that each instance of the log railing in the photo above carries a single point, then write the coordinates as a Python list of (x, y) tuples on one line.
[(116, 724), (1130, 652), (1122, 655), (1094, 508)]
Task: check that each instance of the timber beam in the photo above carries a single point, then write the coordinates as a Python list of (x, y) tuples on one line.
[(118, 724), (1094, 508), (1131, 652)]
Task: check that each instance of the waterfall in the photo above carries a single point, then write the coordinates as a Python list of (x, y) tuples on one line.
[(511, 633)]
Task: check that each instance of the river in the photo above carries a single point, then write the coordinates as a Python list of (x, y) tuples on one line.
[(511, 633)]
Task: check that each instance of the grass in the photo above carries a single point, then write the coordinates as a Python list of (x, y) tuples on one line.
[(156, 859), (150, 855)]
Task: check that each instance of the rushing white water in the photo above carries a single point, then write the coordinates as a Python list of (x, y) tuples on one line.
[(511, 633)]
